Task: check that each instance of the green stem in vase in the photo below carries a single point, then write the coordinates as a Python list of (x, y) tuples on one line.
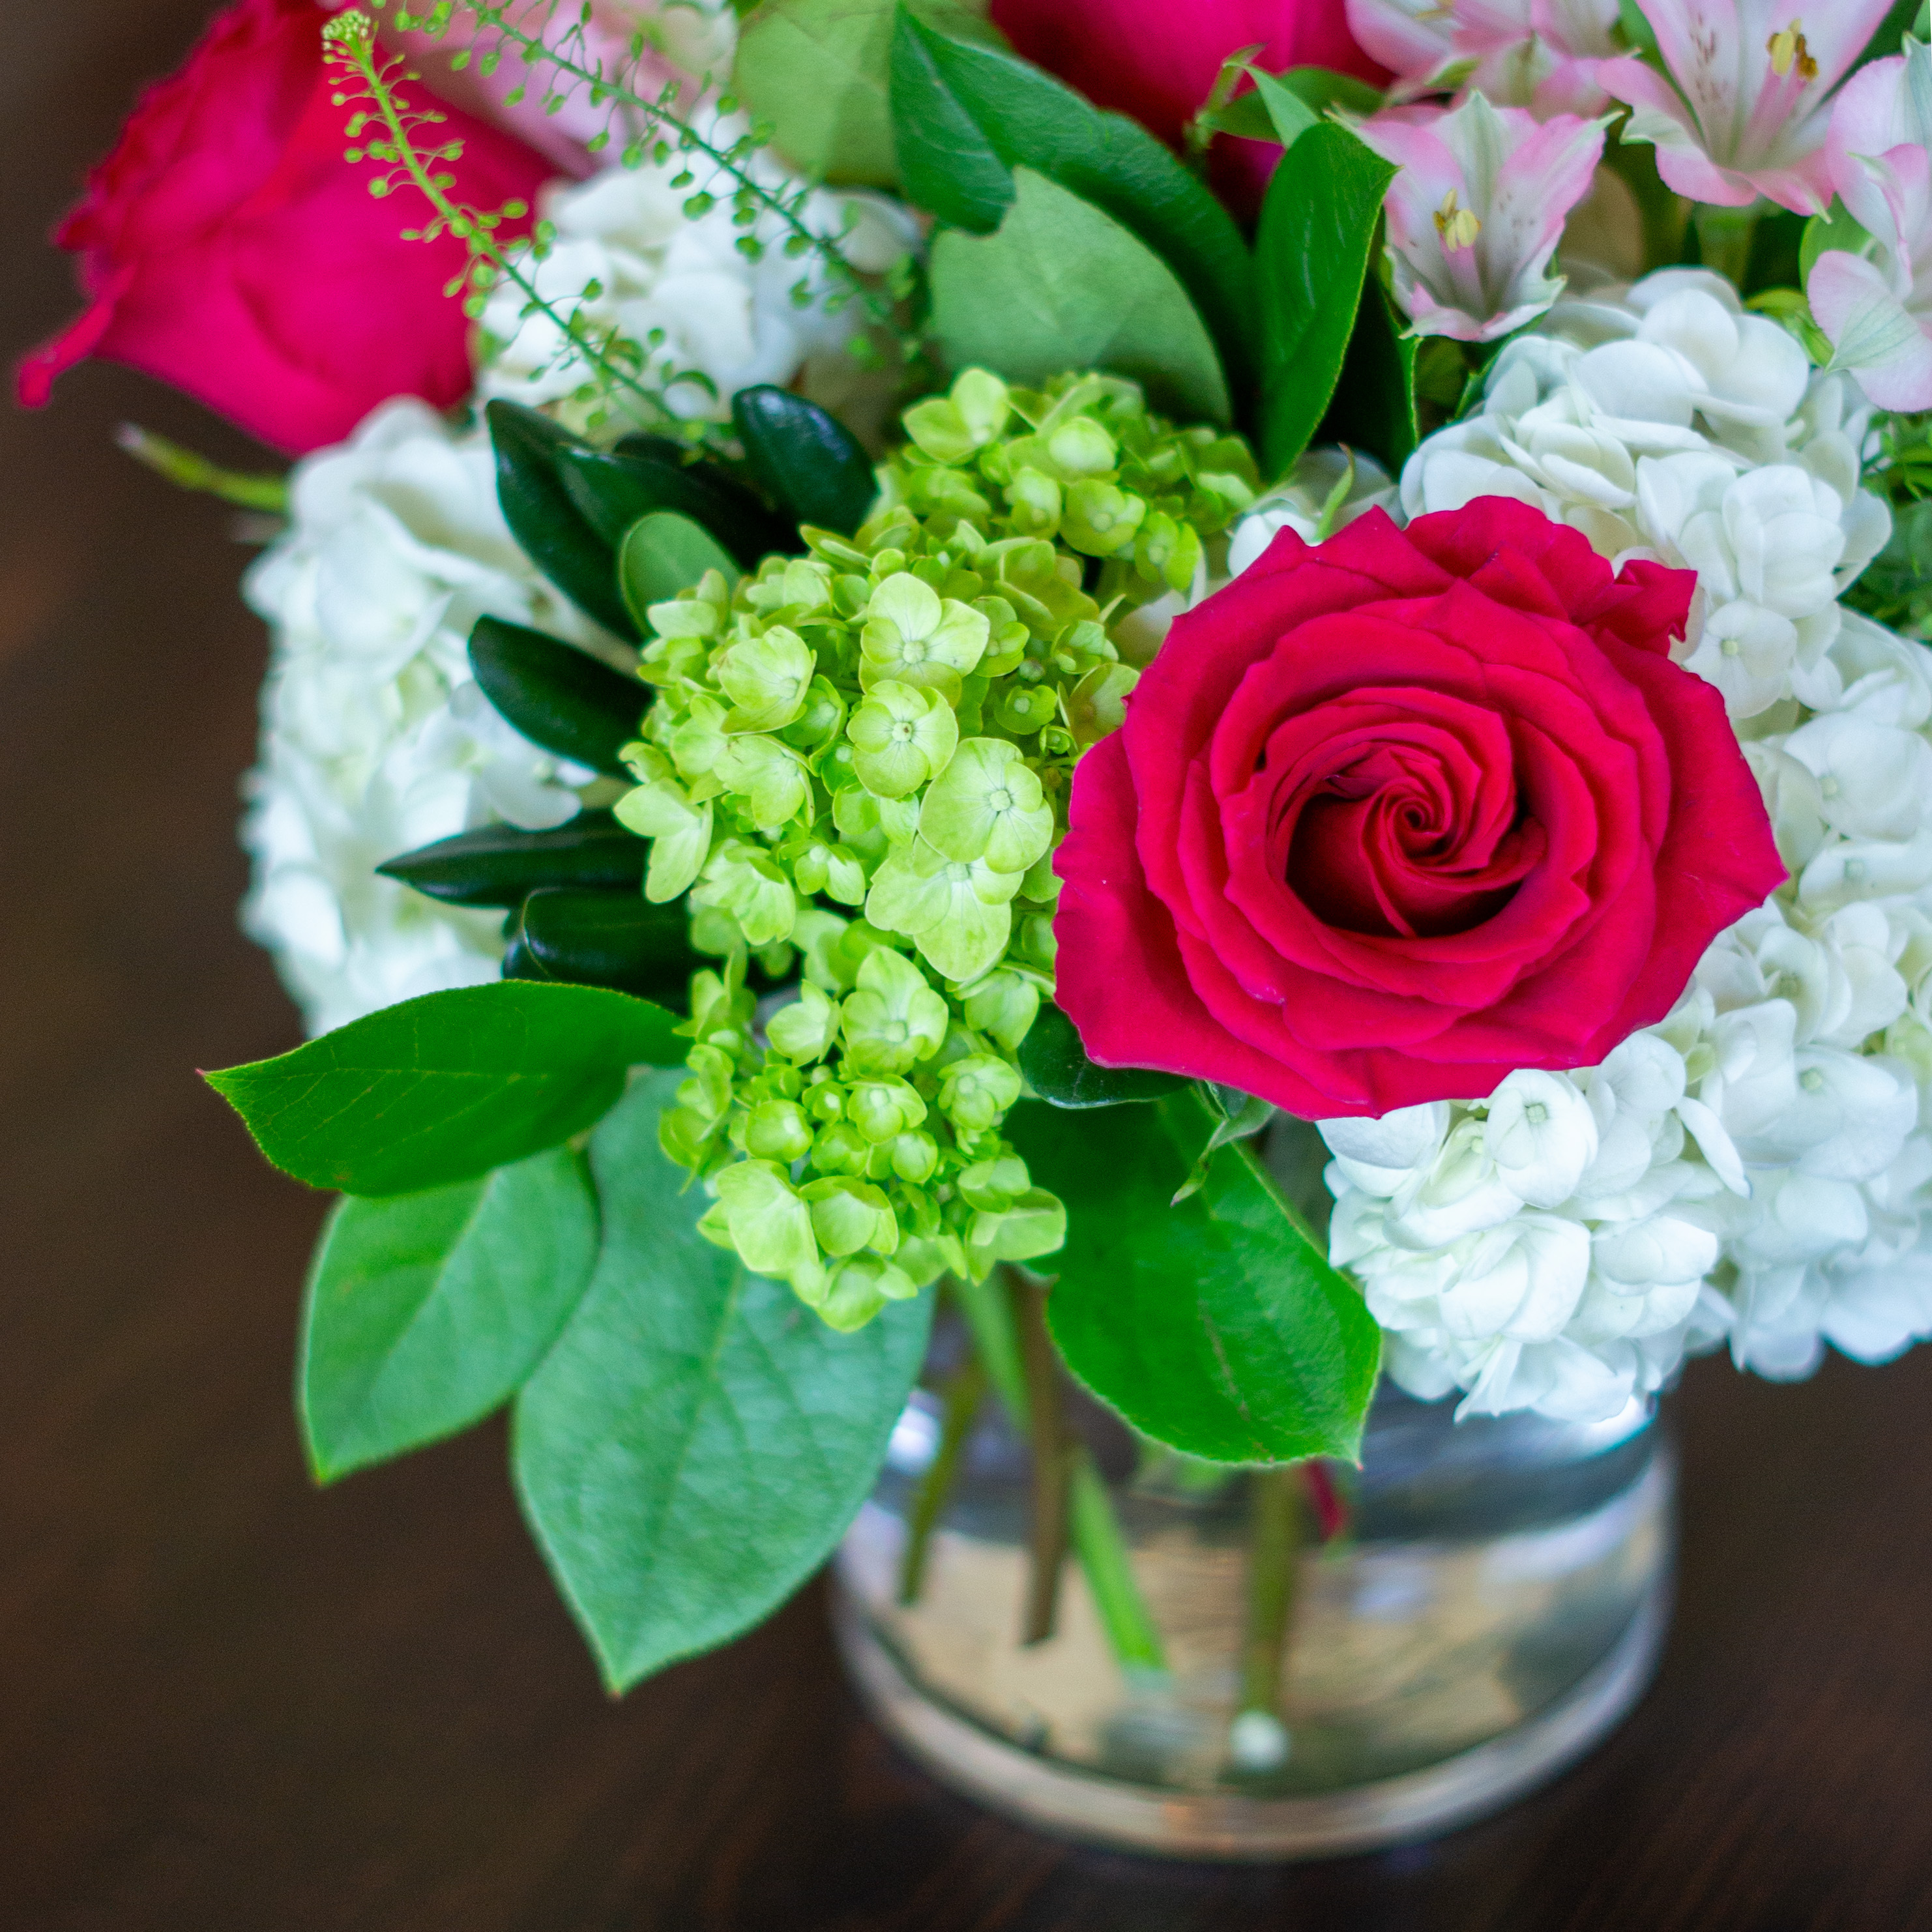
[(1258, 1738), (959, 1405), (1052, 1462), (1098, 1540)]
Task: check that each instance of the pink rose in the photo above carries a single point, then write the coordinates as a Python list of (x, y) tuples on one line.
[(1394, 816), (230, 249), (1156, 62)]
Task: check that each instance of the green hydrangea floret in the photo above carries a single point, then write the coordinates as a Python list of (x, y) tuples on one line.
[(858, 766)]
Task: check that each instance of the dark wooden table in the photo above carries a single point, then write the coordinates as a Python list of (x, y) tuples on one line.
[(228, 1701)]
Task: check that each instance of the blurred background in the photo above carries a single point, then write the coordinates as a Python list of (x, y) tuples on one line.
[(227, 1699)]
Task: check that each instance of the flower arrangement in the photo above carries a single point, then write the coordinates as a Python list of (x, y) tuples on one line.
[(898, 688)]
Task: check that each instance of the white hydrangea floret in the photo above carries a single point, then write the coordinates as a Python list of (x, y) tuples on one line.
[(374, 738), (1664, 421)]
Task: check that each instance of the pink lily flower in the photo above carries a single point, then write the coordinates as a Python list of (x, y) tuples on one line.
[(1538, 54), (1478, 210), (1750, 107), (1875, 306)]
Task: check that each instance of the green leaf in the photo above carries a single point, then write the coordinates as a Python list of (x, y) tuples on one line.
[(1281, 107), (446, 1087), (545, 520), (1057, 1069), (1318, 222), (1837, 229), (1639, 34), (967, 117), (663, 554), (425, 1311), (1216, 1327), (807, 459), (817, 70), (696, 1442), (612, 488), (605, 939), (499, 865), (557, 696), (1022, 303), (1374, 406)]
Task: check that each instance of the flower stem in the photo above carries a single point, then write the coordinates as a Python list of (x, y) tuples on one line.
[(1132, 1633), (959, 1405), (1052, 1463), (1275, 1542), (1724, 239)]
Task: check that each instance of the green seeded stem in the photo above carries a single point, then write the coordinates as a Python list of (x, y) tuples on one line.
[(473, 228), (747, 189)]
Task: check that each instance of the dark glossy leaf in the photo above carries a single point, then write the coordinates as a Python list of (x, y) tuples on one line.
[(1374, 405), (809, 460), (1022, 302), (560, 541), (1318, 222), (695, 1445), (499, 865), (606, 939), (663, 554), (444, 1087), (1057, 1068), (557, 696), (613, 488), (426, 1311), (1216, 1326), (966, 116)]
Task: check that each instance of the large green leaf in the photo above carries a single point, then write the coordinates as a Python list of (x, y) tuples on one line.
[(550, 528), (425, 1311), (816, 69), (1217, 1326), (446, 1087), (1374, 405), (1317, 223), (966, 116), (557, 696), (499, 864), (1057, 1069), (695, 1444), (1061, 286)]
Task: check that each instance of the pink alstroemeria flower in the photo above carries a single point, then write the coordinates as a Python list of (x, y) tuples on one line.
[(1750, 110), (1478, 208), (1876, 308), (1540, 54)]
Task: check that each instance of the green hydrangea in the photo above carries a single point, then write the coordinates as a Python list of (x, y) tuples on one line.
[(858, 766)]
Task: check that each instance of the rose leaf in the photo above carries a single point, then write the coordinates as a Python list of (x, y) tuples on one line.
[(696, 1442)]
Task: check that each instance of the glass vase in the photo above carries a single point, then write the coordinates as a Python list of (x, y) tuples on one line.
[(1224, 1680)]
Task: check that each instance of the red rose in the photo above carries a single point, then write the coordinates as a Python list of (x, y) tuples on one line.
[(230, 249), (1392, 817), (1156, 62)]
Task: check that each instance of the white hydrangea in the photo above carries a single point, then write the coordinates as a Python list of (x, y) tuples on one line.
[(710, 319), (1757, 1168), (374, 738), (1670, 423)]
